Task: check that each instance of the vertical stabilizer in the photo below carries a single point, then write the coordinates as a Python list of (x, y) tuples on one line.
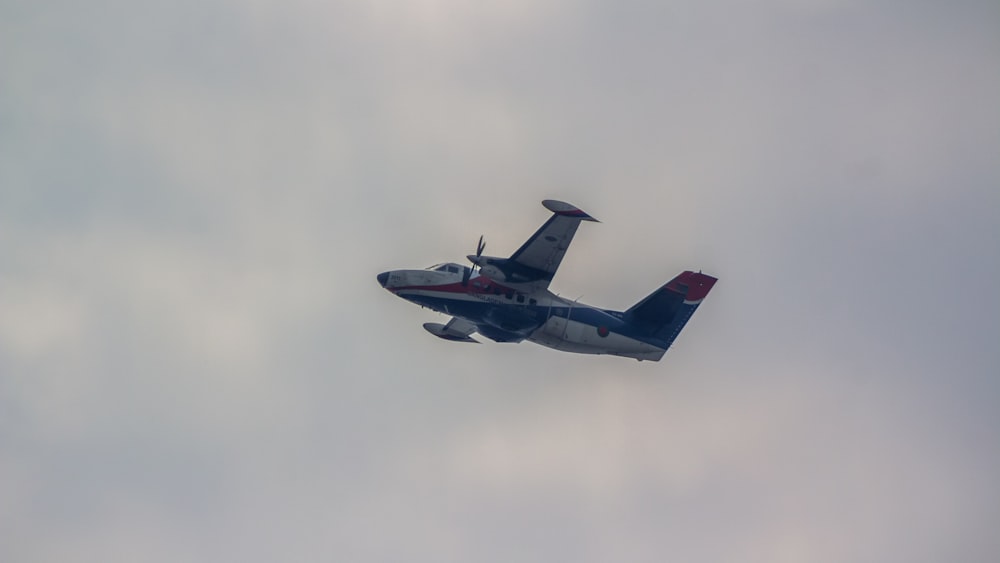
[(664, 312)]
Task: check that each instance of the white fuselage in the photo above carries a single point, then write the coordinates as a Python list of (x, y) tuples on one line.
[(522, 312)]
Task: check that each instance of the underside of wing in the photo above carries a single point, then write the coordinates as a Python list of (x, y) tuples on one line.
[(457, 330), (544, 251)]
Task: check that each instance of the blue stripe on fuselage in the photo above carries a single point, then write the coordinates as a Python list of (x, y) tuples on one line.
[(524, 319)]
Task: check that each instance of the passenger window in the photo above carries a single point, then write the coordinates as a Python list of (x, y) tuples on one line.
[(520, 299), (453, 269), (509, 295), (532, 302)]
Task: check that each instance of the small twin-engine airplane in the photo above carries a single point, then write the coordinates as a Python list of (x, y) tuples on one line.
[(508, 299)]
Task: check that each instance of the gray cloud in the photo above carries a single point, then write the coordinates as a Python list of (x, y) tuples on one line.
[(196, 363)]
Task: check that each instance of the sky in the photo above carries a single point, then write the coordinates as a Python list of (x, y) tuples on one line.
[(197, 364)]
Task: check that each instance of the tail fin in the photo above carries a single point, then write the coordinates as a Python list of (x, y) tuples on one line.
[(665, 312)]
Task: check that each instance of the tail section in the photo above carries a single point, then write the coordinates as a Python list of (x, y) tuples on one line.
[(664, 313)]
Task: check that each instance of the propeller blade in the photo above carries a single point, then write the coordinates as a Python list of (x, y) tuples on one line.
[(479, 252)]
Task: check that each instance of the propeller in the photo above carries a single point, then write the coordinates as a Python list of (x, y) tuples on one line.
[(475, 260), (480, 247)]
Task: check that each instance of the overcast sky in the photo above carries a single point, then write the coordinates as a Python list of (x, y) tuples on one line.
[(197, 364)]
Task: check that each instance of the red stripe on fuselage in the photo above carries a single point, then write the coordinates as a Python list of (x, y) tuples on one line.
[(485, 287)]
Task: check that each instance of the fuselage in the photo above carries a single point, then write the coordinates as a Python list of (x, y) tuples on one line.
[(507, 312)]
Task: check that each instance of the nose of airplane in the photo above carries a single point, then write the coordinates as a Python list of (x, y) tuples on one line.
[(382, 278)]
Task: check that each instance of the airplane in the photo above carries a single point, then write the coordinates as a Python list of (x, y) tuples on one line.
[(508, 299)]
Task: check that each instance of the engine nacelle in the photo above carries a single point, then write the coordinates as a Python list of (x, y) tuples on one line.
[(504, 270), (489, 266), (494, 273)]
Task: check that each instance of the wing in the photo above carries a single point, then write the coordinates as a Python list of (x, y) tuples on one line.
[(457, 330), (544, 251)]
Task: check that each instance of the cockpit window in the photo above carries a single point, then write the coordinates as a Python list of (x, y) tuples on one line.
[(448, 267)]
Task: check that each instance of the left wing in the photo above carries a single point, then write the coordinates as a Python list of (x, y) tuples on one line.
[(536, 262), (457, 330)]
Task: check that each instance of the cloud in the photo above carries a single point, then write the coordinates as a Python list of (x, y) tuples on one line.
[(196, 363)]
